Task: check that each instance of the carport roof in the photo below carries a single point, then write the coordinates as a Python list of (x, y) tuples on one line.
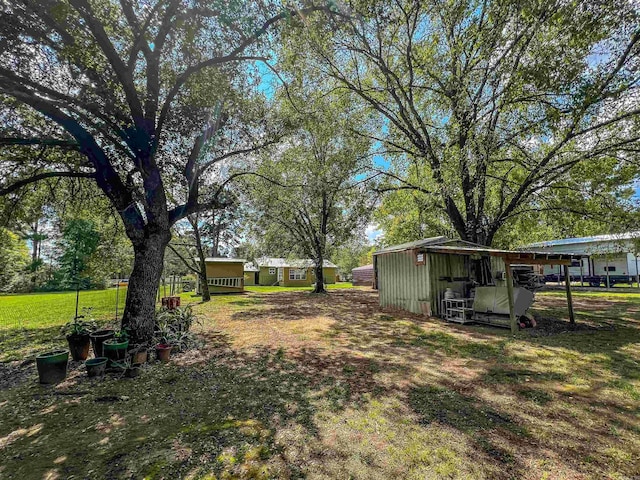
[(460, 247)]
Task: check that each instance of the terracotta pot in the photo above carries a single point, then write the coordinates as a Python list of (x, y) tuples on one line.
[(140, 357), (163, 352), (79, 346), (171, 303), (52, 366)]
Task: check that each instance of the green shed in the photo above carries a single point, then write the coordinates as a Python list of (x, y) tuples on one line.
[(414, 276)]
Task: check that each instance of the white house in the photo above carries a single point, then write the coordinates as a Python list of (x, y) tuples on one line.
[(615, 255)]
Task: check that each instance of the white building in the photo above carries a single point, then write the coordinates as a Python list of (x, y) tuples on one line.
[(615, 255)]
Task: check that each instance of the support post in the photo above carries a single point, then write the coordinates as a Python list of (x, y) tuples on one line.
[(512, 314), (572, 318), (637, 273), (607, 272), (581, 274)]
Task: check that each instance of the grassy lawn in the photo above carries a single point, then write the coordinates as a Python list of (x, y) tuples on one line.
[(292, 385), (30, 323)]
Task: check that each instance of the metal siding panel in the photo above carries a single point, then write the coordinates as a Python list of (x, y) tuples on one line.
[(401, 281), (497, 265)]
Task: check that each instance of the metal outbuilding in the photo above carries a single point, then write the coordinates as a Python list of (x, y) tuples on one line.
[(363, 276), (414, 276)]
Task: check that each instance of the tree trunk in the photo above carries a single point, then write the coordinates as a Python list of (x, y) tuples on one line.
[(140, 308), (319, 278), (202, 265), (34, 256), (202, 275)]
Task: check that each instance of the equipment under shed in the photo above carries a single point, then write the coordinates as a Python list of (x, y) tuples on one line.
[(460, 281)]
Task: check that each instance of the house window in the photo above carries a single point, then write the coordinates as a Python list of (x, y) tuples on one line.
[(297, 274), (272, 271), (609, 269), (420, 258)]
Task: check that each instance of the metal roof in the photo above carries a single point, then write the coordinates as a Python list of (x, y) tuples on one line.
[(224, 260), (511, 255), (421, 243), (295, 263), (250, 267), (460, 247), (594, 239), (364, 267)]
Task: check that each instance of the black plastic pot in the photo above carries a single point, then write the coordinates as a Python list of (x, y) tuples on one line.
[(79, 346), (96, 366), (115, 350), (52, 366), (98, 338)]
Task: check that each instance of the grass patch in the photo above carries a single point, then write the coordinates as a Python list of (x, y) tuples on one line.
[(292, 385)]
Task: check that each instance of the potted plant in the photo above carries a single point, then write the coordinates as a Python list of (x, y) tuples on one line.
[(164, 337), (133, 370), (97, 340), (96, 366), (139, 354), (163, 351), (52, 366), (115, 349), (77, 332)]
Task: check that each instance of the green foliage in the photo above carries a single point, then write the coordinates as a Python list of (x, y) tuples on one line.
[(173, 328), (14, 258), (350, 256), (492, 111), (80, 326), (79, 242), (310, 195)]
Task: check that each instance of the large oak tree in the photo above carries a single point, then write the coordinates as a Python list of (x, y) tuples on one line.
[(145, 96), (488, 105)]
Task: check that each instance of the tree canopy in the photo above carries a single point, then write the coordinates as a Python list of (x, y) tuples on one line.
[(492, 110), (140, 97)]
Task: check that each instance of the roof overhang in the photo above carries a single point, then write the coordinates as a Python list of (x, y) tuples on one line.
[(509, 256), (224, 260)]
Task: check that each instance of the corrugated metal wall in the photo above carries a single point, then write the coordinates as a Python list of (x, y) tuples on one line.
[(402, 283), (497, 265), (418, 288)]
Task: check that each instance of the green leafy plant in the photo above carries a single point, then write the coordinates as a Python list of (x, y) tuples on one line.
[(172, 328), (179, 320), (121, 335), (79, 326)]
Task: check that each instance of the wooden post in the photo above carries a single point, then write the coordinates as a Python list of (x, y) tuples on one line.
[(572, 318), (559, 274), (512, 314), (581, 274)]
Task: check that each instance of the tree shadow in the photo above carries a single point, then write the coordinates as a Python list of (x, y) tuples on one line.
[(482, 424)]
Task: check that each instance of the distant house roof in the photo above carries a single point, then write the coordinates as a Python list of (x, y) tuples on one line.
[(224, 260), (250, 267), (363, 268), (594, 239), (295, 263)]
